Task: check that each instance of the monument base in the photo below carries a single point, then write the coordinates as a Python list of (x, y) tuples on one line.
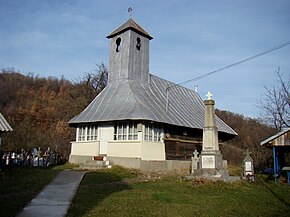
[(212, 165), (211, 173), (211, 160)]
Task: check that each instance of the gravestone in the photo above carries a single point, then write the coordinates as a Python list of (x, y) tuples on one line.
[(13, 158), (194, 161), (249, 167), (35, 157), (21, 156), (7, 160), (49, 157)]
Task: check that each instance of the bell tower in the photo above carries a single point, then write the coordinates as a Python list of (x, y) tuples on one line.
[(129, 53)]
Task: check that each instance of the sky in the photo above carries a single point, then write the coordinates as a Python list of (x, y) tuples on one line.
[(190, 38)]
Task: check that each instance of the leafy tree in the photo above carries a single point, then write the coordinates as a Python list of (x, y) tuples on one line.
[(275, 105)]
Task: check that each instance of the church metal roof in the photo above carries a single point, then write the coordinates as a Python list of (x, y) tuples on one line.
[(130, 24), (4, 126), (135, 100)]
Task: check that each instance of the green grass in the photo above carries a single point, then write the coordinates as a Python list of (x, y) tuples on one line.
[(19, 185), (122, 192), (104, 194), (235, 170)]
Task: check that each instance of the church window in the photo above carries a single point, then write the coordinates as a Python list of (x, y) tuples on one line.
[(126, 131), (92, 133), (118, 43), (152, 132), (87, 133), (138, 46), (133, 132), (81, 133)]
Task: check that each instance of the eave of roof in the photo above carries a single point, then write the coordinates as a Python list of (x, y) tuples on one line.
[(270, 139), (130, 24), (132, 100), (4, 126)]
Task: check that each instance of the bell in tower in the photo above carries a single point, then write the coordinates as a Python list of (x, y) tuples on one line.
[(129, 53)]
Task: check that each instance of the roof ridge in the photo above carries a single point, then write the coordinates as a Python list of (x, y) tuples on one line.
[(137, 100)]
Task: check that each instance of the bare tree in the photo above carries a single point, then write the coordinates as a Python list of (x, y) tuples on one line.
[(275, 105), (100, 78), (94, 82)]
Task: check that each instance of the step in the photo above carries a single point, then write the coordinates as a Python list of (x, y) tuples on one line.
[(95, 165)]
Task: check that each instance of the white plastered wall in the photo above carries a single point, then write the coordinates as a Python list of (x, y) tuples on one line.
[(145, 150), (152, 150), (124, 149), (85, 148)]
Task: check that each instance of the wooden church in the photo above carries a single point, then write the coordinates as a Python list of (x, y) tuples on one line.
[(140, 120)]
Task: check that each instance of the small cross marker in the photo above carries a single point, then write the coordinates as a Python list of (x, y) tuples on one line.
[(248, 152), (195, 154), (209, 95)]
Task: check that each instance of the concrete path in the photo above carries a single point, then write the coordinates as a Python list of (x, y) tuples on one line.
[(55, 199)]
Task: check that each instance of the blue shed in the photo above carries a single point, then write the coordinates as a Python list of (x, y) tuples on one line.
[(280, 145)]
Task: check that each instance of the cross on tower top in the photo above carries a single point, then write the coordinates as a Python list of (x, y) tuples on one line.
[(130, 12), (209, 95)]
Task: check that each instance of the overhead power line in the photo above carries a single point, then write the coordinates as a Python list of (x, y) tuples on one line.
[(235, 63), (225, 67)]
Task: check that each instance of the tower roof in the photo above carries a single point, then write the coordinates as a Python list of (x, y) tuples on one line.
[(130, 24)]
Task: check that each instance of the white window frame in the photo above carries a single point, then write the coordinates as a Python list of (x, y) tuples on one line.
[(87, 133), (81, 133), (126, 131), (152, 132)]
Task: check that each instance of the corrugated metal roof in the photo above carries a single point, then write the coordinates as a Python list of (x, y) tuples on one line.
[(275, 136), (133, 100), (130, 24), (4, 126)]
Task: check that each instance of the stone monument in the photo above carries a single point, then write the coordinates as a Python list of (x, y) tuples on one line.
[(210, 158)]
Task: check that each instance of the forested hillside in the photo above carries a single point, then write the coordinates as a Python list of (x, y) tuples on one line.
[(38, 110), (250, 134)]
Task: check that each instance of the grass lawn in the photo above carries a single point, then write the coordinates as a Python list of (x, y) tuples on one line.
[(19, 185), (111, 193)]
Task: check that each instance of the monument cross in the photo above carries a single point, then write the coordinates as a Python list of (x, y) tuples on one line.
[(209, 95)]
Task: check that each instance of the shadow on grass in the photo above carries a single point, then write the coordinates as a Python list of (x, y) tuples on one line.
[(275, 194), (95, 187)]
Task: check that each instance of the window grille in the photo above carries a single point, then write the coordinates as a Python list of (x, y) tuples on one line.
[(126, 131), (88, 133), (152, 132), (82, 133)]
